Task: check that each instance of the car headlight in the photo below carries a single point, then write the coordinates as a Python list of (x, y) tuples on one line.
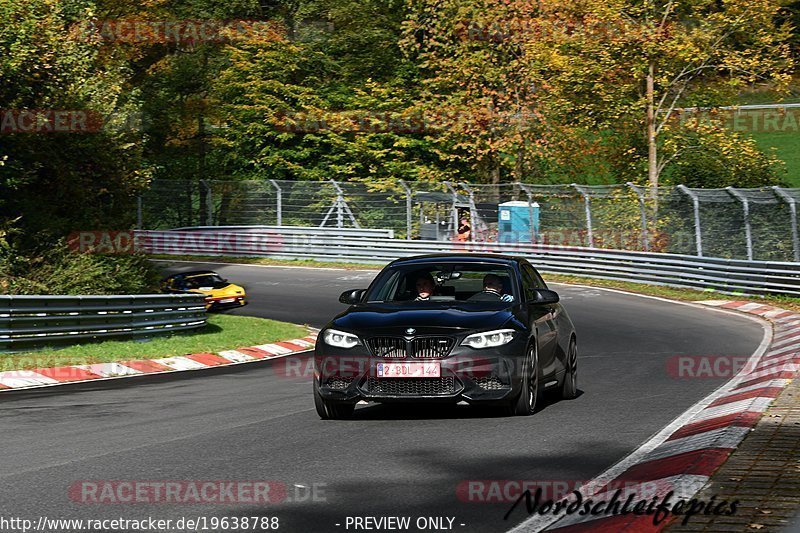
[(340, 339), (489, 339)]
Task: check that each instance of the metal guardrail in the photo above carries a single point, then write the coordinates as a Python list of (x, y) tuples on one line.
[(298, 230), (723, 275), (35, 321)]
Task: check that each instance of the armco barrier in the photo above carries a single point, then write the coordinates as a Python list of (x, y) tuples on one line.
[(36, 321), (723, 275)]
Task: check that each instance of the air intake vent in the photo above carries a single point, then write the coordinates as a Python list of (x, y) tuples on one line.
[(412, 387), (339, 382), (491, 383)]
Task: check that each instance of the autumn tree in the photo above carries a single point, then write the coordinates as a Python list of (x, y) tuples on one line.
[(332, 98), (97, 165), (478, 84), (616, 62)]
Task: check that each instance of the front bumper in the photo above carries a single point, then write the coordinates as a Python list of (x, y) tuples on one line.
[(225, 302), (474, 376)]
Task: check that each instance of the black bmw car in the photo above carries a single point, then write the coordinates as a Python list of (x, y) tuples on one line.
[(447, 328)]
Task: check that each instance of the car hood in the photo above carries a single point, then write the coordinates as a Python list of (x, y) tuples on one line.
[(425, 316), (227, 290)]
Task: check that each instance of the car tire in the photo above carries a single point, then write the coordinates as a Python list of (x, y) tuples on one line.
[(332, 410), (528, 398), (569, 387)]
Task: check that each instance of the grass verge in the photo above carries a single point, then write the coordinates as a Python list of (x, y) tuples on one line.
[(673, 293), (223, 332), (787, 147)]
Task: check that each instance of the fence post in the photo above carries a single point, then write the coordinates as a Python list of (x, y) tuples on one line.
[(588, 207), (454, 209), (341, 207), (473, 212), (409, 208), (643, 211), (533, 220), (698, 237), (209, 205), (793, 210), (279, 201), (748, 235), (339, 202)]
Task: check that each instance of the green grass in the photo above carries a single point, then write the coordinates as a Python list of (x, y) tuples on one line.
[(787, 143), (686, 295), (223, 332), (769, 97), (787, 147)]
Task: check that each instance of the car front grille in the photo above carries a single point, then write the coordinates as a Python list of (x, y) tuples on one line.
[(412, 387), (418, 348), (388, 347), (432, 347), (491, 383)]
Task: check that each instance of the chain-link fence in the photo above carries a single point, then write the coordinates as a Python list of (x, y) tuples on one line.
[(758, 224)]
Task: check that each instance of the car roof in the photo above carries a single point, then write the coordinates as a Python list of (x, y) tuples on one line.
[(193, 273), (461, 258)]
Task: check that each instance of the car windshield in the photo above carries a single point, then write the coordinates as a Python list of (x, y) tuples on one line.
[(456, 282), (206, 280)]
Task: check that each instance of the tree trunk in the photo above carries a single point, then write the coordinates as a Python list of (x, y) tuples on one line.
[(496, 179), (652, 146), (201, 172), (519, 165), (202, 217), (652, 140)]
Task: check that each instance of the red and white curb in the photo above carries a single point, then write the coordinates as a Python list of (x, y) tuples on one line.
[(48, 377), (682, 457)]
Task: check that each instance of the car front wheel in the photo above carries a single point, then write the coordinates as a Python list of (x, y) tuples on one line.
[(569, 387), (332, 410), (525, 404)]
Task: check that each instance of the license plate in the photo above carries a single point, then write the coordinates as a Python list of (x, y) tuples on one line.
[(227, 301), (409, 370)]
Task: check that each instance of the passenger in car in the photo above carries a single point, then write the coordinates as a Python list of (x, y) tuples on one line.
[(492, 290)]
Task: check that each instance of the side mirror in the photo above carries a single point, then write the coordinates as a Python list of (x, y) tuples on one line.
[(352, 296), (543, 296)]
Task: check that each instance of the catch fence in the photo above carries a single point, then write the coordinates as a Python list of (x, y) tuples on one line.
[(750, 224)]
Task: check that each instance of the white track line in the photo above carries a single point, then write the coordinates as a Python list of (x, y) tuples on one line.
[(538, 523)]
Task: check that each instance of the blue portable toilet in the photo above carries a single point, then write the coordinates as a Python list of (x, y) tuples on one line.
[(515, 220)]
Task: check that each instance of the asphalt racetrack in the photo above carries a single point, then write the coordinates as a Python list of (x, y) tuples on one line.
[(257, 422)]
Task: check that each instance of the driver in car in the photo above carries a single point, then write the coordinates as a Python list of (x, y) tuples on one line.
[(492, 290), (425, 287)]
